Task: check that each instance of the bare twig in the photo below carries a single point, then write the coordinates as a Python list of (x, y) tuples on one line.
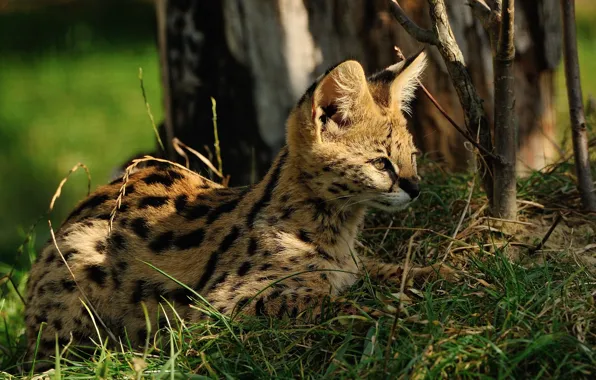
[(539, 246), (421, 34), (490, 17), (576, 109), (454, 124), (55, 243)]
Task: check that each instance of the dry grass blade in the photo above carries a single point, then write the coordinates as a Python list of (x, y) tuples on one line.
[(399, 309), (179, 144), (149, 111), (216, 135), (59, 189), (128, 171), (55, 243), (461, 219)]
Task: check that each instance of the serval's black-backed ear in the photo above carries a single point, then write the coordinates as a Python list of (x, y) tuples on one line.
[(339, 94), (401, 80)]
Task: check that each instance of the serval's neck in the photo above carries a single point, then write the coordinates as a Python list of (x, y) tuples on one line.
[(289, 202)]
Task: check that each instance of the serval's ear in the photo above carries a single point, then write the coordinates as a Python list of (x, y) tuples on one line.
[(402, 81), (338, 96)]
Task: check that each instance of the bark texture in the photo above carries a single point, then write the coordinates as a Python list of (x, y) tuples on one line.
[(257, 58), (576, 108), (505, 191)]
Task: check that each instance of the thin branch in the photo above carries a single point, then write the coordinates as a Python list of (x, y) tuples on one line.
[(539, 246), (454, 124), (421, 34), (489, 16)]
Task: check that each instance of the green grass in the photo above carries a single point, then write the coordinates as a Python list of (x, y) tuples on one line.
[(502, 320)]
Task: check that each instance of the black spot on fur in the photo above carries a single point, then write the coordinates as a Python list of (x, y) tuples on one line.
[(129, 189), (192, 239), (287, 212), (104, 216), (142, 335), (283, 308), (265, 267), (321, 210), (219, 280), (244, 268), (222, 209), (152, 201), (162, 242), (167, 178), (57, 324), (140, 227), (91, 202), (304, 236), (96, 274), (196, 211), (116, 241), (181, 296), (138, 294), (268, 192), (225, 244), (69, 285), (50, 257), (122, 266), (341, 186), (324, 276), (237, 286), (321, 252), (252, 246), (260, 307), (100, 246), (116, 278), (180, 203), (229, 239), (242, 303)]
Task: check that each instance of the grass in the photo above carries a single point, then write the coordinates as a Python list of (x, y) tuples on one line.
[(505, 319)]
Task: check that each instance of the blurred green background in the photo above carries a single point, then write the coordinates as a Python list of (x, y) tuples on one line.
[(69, 92)]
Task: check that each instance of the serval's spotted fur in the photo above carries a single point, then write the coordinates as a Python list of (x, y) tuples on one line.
[(347, 149)]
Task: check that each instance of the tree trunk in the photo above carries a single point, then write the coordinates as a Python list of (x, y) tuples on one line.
[(505, 191), (257, 58)]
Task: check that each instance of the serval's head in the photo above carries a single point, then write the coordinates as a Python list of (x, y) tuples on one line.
[(348, 134)]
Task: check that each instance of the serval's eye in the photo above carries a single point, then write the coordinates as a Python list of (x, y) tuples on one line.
[(382, 164)]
